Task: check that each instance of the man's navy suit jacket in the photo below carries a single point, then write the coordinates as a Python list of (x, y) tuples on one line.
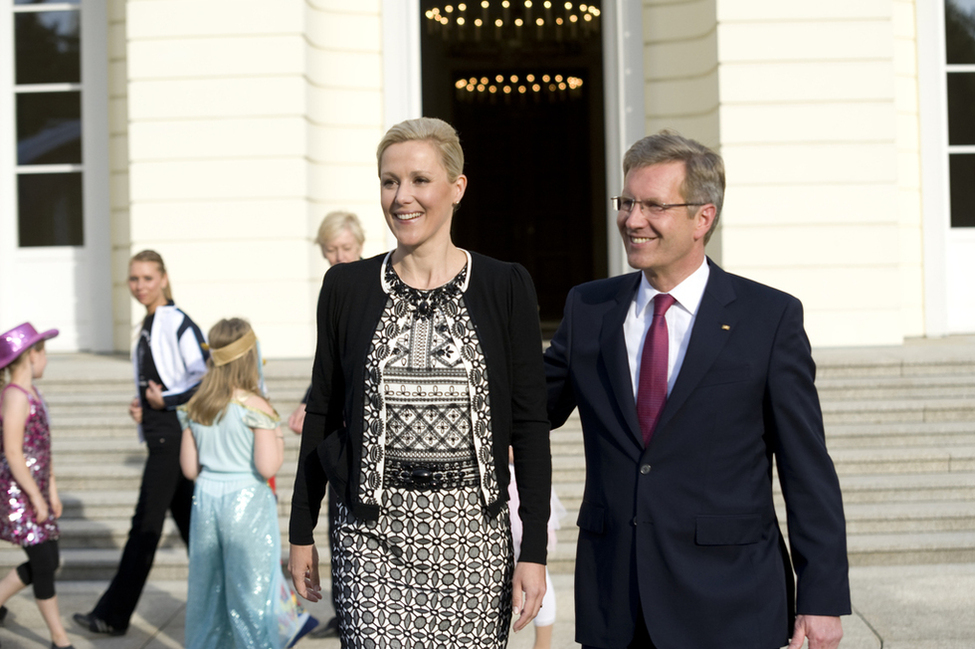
[(686, 526)]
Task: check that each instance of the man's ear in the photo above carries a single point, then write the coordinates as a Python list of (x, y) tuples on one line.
[(704, 219)]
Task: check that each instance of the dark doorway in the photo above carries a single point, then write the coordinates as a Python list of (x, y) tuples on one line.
[(528, 105)]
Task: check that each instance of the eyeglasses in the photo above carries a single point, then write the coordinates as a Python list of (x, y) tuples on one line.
[(626, 204)]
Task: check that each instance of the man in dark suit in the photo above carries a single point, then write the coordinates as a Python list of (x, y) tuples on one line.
[(689, 381)]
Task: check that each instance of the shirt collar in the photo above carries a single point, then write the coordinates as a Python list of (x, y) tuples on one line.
[(688, 293)]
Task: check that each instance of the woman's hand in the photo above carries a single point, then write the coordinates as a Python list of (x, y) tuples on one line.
[(135, 410), (154, 396), (303, 565), (528, 589)]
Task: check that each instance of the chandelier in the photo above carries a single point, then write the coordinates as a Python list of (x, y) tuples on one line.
[(514, 21), (535, 87)]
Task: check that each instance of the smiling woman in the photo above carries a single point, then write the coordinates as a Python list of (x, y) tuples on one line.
[(422, 185), (414, 440), (418, 199), (169, 360)]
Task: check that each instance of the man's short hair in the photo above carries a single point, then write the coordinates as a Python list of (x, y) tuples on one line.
[(703, 168)]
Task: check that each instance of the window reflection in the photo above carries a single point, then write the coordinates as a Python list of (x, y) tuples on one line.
[(960, 31), (48, 47), (962, 178), (50, 210), (49, 128), (961, 102)]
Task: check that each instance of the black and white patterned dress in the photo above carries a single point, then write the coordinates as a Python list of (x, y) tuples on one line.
[(434, 570)]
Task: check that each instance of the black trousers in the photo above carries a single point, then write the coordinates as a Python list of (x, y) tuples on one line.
[(163, 488)]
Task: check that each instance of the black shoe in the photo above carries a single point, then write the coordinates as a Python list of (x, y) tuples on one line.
[(329, 630), (3, 614), (96, 624), (54, 646)]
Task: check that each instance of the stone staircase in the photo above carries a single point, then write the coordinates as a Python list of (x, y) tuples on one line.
[(98, 463), (900, 425)]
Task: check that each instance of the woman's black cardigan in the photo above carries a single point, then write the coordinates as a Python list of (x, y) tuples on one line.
[(500, 298)]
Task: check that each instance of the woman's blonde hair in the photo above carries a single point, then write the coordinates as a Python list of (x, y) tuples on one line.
[(334, 222), (156, 258), (428, 129), (218, 385), (38, 347)]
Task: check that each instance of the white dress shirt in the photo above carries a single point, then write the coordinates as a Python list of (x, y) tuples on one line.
[(680, 320)]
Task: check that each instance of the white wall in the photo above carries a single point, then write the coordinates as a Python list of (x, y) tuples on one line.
[(809, 137), (118, 156), (908, 141), (814, 108), (247, 121), (218, 179), (235, 126), (680, 64), (345, 120)]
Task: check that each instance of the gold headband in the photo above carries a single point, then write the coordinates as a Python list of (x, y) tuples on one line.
[(234, 350)]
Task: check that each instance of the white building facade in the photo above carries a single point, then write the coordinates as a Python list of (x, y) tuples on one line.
[(219, 133)]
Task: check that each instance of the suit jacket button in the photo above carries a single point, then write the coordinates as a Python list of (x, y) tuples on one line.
[(645, 469)]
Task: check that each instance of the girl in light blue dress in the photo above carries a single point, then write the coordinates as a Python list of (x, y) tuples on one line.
[(231, 446)]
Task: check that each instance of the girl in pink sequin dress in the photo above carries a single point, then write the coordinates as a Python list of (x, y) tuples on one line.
[(29, 505)]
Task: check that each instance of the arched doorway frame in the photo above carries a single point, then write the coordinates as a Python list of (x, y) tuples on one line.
[(623, 88)]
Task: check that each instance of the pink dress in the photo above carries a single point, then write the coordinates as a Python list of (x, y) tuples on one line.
[(17, 520)]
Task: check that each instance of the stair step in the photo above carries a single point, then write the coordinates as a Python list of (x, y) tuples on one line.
[(889, 434), (909, 487), (899, 387), (914, 548), (901, 410)]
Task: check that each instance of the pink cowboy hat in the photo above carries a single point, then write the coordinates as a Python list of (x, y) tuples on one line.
[(15, 342)]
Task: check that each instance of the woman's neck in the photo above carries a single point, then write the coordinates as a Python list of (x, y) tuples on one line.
[(424, 269), (150, 309)]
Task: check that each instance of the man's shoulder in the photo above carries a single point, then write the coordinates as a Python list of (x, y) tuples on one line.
[(748, 289), (606, 288)]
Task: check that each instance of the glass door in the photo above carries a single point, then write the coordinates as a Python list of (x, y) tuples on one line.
[(960, 83)]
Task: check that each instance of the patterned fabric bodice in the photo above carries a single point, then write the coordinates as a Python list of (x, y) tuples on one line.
[(427, 407), (18, 523)]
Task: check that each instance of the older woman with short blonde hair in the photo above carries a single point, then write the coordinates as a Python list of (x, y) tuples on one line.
[(341, 237)]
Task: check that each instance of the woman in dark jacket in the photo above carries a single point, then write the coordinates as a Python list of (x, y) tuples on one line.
[(428, 367)]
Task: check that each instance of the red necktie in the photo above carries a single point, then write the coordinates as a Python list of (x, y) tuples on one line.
[(652, 392)]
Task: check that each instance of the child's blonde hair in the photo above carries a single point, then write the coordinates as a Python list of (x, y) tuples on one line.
[(218, 385), (38, 346)]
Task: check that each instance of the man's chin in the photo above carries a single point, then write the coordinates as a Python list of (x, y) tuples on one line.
[(637, 261)]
